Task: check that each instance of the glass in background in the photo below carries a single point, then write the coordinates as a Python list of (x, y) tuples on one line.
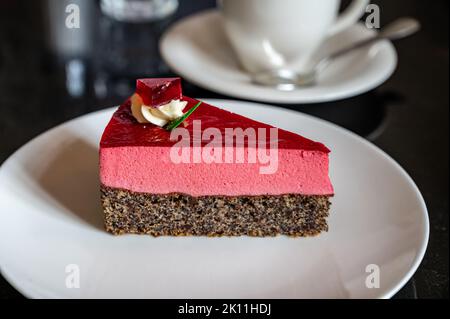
[(127, 46), (138, 10), (71, 47)]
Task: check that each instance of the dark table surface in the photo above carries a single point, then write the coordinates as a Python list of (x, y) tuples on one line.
[(407, 116)]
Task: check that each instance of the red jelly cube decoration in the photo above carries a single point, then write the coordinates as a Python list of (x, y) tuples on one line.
[(157, 92)]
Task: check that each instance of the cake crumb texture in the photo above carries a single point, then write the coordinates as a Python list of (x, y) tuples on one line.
[(183, 215)]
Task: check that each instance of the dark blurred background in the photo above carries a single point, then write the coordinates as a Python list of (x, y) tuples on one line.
[(50, 74)]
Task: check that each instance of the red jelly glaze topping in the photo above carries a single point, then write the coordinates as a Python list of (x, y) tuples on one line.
[(156, 92), (124, 130)]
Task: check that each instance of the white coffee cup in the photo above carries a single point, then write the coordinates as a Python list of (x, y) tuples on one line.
[(275, 34)]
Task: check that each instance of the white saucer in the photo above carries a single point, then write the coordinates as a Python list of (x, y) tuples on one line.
[(50, 217), (196, 48)]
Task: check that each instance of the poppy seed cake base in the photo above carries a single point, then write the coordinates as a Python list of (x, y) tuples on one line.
[(183, 215)]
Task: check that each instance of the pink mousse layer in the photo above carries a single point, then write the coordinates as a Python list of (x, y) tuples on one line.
[(151, 170)]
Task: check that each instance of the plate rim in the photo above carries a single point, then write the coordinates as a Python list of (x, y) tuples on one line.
[(314, 99), (10, 278)]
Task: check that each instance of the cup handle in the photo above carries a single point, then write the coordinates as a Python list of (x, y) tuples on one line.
[(350, 16)]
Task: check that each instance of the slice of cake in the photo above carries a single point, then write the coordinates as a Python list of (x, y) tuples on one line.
[(214, 173)]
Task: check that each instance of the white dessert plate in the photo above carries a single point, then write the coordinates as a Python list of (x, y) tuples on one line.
[(197, 49), (51, 227)]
